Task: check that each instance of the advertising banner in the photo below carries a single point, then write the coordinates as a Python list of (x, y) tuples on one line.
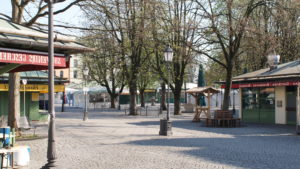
[(25, 58)]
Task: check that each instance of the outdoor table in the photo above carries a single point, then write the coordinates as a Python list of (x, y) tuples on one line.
[(198, 112)]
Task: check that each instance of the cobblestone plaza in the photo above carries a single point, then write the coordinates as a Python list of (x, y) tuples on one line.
[(111, 140)]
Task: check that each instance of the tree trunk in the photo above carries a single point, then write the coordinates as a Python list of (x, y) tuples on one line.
[(163, 97), (177, 102), (14, 100), (142, 96), (227, 88), (113, 101), (14, 81), (132, 106)]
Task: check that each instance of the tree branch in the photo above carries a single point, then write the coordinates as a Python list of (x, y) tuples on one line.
[(210, 57), (41, 9)]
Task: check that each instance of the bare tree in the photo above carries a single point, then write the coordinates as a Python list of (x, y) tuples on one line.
[(273, 27), (146, 79), (180, 22), (227, 22), (126, 21), (105, 64)]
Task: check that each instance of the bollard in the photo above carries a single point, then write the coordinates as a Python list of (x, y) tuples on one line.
[(146, 110)]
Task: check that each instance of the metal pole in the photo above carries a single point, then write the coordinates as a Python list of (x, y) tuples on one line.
[(85, 116), (233, 101), (165, 124), (63, 102), (168, 103), (24, 102), (298, 112), (169, 97), (51, 151), (185, 94)]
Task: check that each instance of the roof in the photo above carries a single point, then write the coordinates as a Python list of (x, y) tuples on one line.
[(202, 90), (20, 37), (285, 70), (34, 76)]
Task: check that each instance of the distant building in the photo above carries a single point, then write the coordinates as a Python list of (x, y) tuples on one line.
[(74, 72), (76, 67)]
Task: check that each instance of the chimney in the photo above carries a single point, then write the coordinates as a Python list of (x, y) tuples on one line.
[(273, 61)]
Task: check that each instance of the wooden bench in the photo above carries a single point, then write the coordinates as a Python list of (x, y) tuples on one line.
[(223, 114), (223, 118)]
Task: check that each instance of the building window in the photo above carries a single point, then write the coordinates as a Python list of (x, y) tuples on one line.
[(75, 63), (61, 75), (75, 74), (258, 104)]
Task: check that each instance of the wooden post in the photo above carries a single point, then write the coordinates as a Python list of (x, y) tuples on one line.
[(197, 97)]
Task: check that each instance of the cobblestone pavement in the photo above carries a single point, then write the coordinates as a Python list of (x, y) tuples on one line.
[(111, 140)]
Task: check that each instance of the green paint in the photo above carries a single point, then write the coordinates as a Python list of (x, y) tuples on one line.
[(32, 107), (4, 103), (258, 106)]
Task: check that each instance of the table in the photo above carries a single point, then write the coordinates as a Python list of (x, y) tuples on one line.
[(200, 110)]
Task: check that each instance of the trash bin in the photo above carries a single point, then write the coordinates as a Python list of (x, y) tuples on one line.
[(22, 156)]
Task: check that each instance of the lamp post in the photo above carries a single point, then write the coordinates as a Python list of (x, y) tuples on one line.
[(24, 81), (165, 124), (51, 151), (85, 90)]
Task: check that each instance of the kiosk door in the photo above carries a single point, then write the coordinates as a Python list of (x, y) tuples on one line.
[(291, 97)]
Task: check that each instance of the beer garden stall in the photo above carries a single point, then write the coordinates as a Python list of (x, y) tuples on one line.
[(34, 90), (26, 49)]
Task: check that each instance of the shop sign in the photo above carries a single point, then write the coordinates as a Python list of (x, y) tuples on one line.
[(29, 58), (265, 84), (35, 88)]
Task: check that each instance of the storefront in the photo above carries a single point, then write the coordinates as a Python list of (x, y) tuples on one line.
[(270, 95), (24, 49), (36, 86)]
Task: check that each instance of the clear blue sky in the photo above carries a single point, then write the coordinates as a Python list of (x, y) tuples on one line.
[(73, 16)]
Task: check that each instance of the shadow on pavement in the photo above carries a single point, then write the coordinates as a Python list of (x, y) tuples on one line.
[(246, 129), (241, 151)]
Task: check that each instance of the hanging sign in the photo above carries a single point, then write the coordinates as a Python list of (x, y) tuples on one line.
[(25, 58)]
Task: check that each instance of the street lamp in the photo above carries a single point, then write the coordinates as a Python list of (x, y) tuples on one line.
[(85, 90), (165, 124), (51, 151), (24, 82)]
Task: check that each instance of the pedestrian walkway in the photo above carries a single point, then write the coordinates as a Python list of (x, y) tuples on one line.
[(111, 140)]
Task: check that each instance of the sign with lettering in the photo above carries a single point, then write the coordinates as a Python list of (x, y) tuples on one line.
[(35, 88), (29, 58), (265, 84)]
